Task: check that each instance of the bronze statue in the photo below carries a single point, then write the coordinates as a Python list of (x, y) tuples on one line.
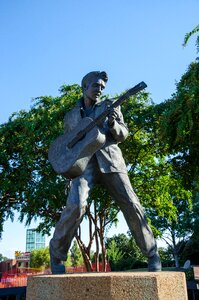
[(104, 165)]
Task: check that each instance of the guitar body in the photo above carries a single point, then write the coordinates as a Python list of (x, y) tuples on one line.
[(72, 161)]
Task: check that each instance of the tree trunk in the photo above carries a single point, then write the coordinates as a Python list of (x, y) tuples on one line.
[(86, 250), (177, 264), (85, 254), (101, 235), (175, 251), (96, 241)]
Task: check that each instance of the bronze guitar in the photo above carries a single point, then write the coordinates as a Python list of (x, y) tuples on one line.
[(70, 153)]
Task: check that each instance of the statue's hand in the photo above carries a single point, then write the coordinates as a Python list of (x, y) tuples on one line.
[(112, 116)]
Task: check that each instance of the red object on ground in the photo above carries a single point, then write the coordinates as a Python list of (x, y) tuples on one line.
[(18, 277)]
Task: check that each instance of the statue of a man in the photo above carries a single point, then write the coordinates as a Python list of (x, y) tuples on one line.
[(106, 167)]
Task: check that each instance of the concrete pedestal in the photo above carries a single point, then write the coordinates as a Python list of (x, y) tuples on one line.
[(108, 286)]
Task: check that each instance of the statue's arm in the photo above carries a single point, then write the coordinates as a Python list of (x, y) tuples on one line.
[(118, 128)]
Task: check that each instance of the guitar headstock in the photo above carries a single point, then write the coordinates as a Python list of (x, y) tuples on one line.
[(137, 88)]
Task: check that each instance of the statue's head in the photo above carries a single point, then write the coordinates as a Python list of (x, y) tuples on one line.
[(93, 84), (93, 76)]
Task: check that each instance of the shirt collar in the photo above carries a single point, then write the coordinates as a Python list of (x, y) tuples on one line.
[(80, 103)]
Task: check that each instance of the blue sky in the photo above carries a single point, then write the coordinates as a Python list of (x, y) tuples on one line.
[(45, 44)]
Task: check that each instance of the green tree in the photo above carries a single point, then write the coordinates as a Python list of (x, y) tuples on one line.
[(40, 258), (190, 34), (2, 258), (115, 255), (176, 227), (123, 253), (179, 121), (76, 256), (191, 249), (176, 123), (165, 256), (68, 262), (28, 183)]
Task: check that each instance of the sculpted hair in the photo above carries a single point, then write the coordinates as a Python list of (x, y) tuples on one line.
[(94, 75)]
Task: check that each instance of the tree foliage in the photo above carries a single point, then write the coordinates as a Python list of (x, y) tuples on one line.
[(190, 34), (28, 182), (123, 253), (75, 255), (2, 258), (179, 123), (178, 120), (40, 258)]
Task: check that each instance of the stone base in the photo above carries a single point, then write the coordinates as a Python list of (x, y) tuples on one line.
[(108, 286)]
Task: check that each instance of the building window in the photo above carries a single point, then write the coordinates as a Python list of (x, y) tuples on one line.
[(34, 240)]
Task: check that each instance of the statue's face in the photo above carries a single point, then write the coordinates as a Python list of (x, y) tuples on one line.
[(94, 89)]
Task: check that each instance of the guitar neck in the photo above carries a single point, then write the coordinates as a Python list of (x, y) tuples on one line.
[(137, 88), (140, 86)]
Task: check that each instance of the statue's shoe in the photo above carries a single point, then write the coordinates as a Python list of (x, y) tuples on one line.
[(154, 263), (57, 266)]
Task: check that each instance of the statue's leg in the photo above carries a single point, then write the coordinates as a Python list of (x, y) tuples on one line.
[(119, 187), (70, 219)]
